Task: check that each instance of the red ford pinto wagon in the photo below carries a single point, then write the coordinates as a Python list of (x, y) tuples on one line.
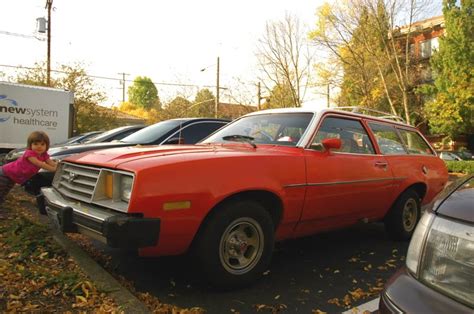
[(267, 176)]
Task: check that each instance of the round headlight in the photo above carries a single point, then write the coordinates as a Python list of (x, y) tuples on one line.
[(125, 188)]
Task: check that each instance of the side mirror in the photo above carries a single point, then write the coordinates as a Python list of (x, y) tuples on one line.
[(331, 143), (175, 140)]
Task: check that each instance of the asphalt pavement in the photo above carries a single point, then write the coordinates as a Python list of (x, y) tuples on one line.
[(321, 272)]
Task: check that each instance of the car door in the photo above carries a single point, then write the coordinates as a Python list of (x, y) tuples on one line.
[(418, 162), (344, 185)]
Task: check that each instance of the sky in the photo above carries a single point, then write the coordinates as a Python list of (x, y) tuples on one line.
[(167, 41)]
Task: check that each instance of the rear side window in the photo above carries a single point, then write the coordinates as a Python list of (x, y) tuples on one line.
[(353, 136), (415, 143), (387, 138), (196, 132)]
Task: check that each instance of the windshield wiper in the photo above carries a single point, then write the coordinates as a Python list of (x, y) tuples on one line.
[(240, 138)]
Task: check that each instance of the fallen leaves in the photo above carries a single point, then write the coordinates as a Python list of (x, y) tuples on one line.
[(36, 274), (270, 308)]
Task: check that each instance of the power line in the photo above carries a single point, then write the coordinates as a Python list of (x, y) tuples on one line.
[(22, 35), (110, 78)]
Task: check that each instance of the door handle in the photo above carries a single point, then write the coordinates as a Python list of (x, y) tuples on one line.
[(381, 164)]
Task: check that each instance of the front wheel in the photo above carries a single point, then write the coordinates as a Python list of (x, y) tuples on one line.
[(402, 218), (236, 244)]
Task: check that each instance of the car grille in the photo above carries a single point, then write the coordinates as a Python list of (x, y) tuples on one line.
[(76, 181)]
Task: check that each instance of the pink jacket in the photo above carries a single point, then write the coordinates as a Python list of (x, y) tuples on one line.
[(21, 170)]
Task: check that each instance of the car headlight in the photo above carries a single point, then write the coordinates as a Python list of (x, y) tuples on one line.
[(416, 244), (125, 188), (113, 190), (447, 259)]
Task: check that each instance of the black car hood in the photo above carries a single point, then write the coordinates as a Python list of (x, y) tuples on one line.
[(75, 149), (460, 204)]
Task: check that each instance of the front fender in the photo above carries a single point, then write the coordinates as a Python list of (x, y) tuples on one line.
[(182, 194)]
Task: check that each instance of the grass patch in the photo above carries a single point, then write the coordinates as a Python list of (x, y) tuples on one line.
[(464, 166)]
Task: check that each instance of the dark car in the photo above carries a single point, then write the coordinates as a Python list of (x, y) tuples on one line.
[(114, 134), (87, 138), (439, 272), (81, 138), (174, 131), (455, 155)]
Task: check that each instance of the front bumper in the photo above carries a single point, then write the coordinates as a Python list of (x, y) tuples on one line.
[(117, 230), (404, 294)]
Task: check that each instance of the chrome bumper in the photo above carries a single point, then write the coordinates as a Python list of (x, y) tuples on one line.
[(118, 230)]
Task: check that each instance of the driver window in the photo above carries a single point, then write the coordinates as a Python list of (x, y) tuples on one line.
[(352, 134)]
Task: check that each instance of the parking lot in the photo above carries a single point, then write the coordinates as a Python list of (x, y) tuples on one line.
[(330, 272)]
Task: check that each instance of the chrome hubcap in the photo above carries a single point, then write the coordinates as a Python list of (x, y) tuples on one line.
[(241, 245), (410, 214)]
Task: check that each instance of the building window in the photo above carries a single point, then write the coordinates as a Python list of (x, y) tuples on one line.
[(434, 44), (425, 48), (428, 47)]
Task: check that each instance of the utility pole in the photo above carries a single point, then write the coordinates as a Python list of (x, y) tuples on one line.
[(49, 4), (216, 106), (123, 85), (259, 96), (328, 95)]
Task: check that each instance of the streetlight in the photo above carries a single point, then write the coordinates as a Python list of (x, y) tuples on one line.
[(216, 105)]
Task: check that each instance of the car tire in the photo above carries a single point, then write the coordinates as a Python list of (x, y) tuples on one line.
[(235, 245), (401, 220)]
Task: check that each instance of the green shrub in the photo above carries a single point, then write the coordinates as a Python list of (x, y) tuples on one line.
[(465, 166)]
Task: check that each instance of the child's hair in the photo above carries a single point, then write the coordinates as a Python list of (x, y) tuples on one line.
[(38, 136)]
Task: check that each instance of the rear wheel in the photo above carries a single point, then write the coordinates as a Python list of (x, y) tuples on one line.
[(402, 218), (235, 246)]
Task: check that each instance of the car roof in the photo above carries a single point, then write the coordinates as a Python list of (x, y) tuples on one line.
[(321, 112), (198, 119)]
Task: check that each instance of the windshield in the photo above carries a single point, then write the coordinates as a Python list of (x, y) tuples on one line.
[(276, 129), (153, 132)]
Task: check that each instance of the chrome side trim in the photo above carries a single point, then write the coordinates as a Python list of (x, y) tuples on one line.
[(296, 185)]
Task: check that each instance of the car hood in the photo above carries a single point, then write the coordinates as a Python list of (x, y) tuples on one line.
[(79, 148), (459, 204), (115, 157)]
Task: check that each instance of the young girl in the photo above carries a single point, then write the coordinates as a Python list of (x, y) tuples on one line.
[(21, 170)]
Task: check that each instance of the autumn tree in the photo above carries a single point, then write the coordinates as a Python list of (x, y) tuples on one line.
[(451, 112), (364, 36), (284, 58), (179, 107), (280, 97), (204, 103), (143, 93), (151, 115), (89, 116)]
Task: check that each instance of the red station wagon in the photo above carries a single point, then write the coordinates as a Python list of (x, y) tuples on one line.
[(267, 176)]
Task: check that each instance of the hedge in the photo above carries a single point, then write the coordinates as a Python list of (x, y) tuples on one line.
[(465, 166)]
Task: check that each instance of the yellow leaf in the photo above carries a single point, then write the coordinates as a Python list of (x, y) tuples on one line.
[(81, 299), (347, 300), (260, 307), (85, 290)]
